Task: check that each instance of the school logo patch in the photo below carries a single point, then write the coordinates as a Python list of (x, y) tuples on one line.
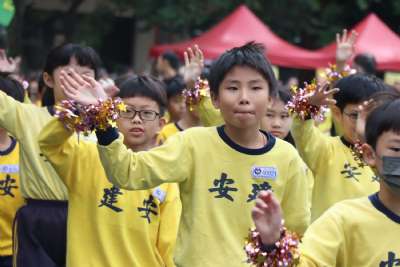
[(264, 172), (9, 168), (159, 194)]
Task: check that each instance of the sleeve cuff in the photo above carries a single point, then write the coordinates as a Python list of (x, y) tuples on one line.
[(108, 136), (268, 248)]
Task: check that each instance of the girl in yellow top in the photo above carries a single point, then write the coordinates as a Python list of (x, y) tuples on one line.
[(220, 170), (360, 232), (109, 226), (40, 229), (10, 195)]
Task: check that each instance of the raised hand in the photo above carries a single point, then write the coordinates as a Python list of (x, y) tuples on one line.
[(109, 87), (267, 217), (81, 88), (194, 64), (345, 46), (8, 65), (322, 96)]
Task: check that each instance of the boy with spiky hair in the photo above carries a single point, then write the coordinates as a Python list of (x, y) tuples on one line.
[(220, 170)]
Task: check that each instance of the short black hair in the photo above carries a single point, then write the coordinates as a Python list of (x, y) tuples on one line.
[(172, 59), (174, 86), (382, 119), (367, 62), (283, 94), (61, 56), (357, 88), (145, 86), (249, 55), (12, 88)]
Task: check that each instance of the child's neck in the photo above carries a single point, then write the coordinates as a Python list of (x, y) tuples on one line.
[(145, 146), (188, 121), (249, 138), (389, 200), (5, 140)]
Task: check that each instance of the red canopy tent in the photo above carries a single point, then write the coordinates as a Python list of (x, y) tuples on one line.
[(376, 38), (242, 26)]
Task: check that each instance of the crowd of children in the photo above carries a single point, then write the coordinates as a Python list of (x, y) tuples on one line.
[(183, 167)]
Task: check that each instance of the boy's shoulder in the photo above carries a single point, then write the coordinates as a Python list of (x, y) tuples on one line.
[(351, 211), (199, 131)]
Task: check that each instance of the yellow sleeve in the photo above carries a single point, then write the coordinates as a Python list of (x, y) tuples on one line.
[(11, 114), (169, 163), (208, 114), (312, 144), (324, 241), (65, 153), (27, 100), (326, 125), (169, 224), (296, 201)]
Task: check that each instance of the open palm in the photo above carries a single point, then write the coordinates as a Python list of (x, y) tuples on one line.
[(267, 217), (345, 45), (194, 64), (83, 89)]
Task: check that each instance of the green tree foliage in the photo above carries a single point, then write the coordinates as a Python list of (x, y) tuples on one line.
[(310, 23)]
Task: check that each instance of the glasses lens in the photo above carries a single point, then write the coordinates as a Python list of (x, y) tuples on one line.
[(148, 115)]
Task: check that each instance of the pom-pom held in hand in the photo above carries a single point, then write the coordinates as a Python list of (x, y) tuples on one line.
[(193, 96), (357, 153), (300, 103), (332, 74), (285, 254), (85, 119)]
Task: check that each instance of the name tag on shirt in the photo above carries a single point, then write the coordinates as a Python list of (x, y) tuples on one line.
[(264, 172), (159, 194), (9, 168)]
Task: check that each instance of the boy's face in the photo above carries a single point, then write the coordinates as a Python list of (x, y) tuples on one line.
[(176, 107), (139, 131), (53, 80), (277, 120), (348, 120), (243, 97), (387, 145)]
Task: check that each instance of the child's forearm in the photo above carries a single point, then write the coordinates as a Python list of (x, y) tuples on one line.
[(142, 170)]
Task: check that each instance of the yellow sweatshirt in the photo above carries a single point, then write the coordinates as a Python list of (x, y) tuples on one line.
[(167, 131), (219, 181), (109, 226), (356, 233), (10, 195), (337, 173), (24, 121)]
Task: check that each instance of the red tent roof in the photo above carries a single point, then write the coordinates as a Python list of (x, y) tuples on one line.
[(242, 26), (376, 38)]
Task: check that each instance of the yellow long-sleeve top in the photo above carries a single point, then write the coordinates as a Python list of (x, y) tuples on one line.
[(109, 226), (208, 114), (337, 173), (24, 121), (10, 196), (358, 233), (218, 181), (167, 131)]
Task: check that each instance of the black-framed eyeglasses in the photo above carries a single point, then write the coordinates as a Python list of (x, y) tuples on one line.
[(352, 115), (145, 115)]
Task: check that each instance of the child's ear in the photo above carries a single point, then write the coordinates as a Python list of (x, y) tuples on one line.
[(336, 112), (215, 100), (162, 122), (48, 80), (369, 155)]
